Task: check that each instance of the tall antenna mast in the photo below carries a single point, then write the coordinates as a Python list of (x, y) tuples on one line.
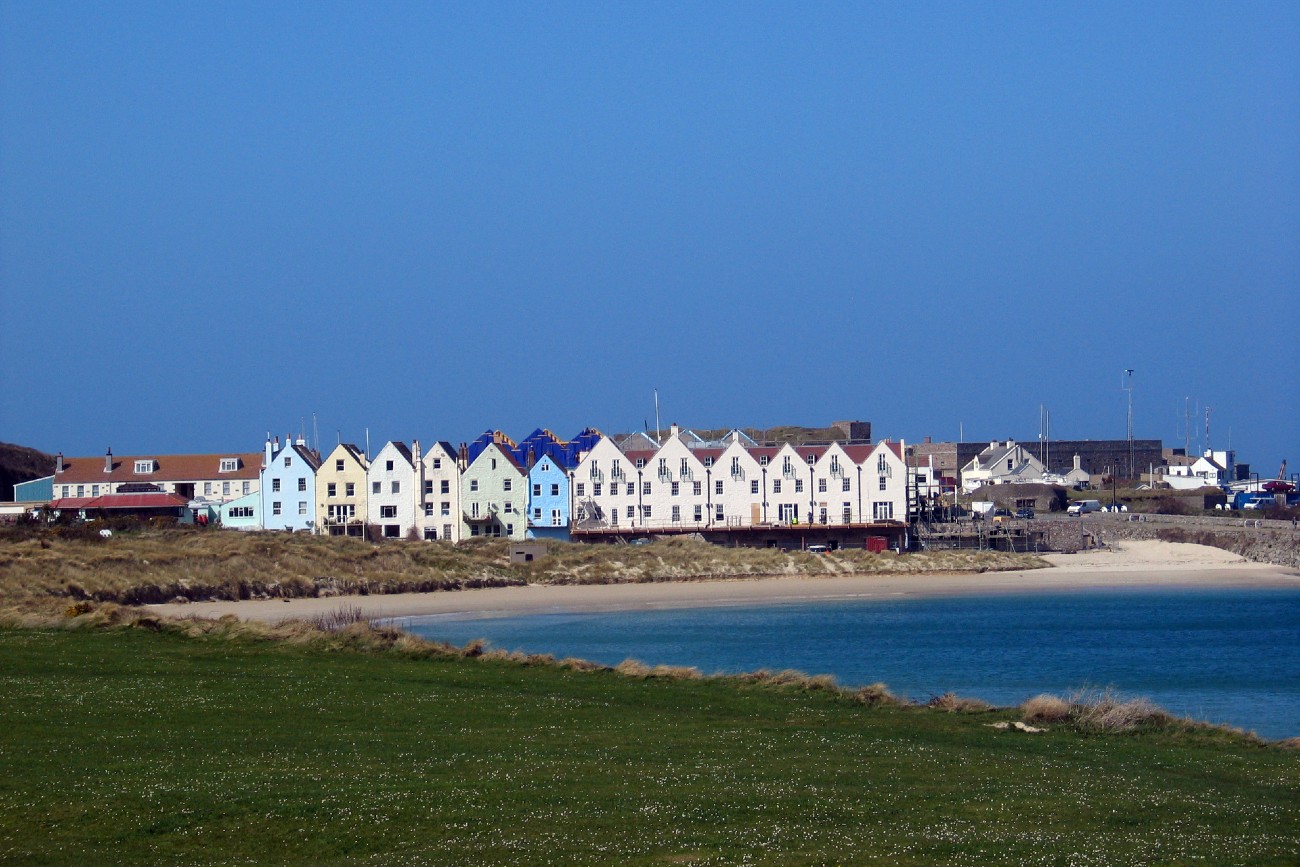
[(657, 439), (1127, 384), (1208, 410)]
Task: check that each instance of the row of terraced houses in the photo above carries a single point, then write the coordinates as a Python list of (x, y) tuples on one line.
[(731, 489)]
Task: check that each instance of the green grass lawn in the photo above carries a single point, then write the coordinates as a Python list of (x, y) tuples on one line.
[(133, 746)]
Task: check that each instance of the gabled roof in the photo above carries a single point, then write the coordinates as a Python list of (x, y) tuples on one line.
[(308, 456), (170, 468)]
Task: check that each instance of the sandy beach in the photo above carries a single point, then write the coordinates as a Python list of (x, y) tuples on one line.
[(1135, 564)]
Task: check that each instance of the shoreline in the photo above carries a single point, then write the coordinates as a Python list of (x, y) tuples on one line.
[(1129, 565)]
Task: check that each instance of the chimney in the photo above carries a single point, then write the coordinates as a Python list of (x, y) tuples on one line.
[(927, 441), (673, 430), (58, 462), (108, 460), (462, 457), (1077, 463), (267, 452), (415, 453)]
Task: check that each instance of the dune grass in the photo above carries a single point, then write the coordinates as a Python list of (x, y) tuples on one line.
[(133, 739), (161, 565)]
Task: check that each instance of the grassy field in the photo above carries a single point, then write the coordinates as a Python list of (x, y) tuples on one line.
[(174, 742), (159, 565)]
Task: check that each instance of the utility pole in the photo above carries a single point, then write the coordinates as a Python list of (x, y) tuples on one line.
[(1126, 382)]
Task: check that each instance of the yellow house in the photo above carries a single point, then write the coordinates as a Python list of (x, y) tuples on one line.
[(341, 492)]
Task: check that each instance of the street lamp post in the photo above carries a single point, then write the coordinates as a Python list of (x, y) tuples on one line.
[(1127, 384)]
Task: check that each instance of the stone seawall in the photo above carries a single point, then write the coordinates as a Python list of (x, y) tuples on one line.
[(1255, 539)]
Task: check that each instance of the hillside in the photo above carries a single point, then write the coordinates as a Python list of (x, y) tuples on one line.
[(21, 464)]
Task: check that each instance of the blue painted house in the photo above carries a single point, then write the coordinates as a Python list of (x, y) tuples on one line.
[(288, 483), (548, 500)]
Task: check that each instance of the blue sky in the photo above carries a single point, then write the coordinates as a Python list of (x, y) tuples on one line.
[(430, 219)]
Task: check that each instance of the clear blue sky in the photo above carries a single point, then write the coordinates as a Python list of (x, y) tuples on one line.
[(433, 218)]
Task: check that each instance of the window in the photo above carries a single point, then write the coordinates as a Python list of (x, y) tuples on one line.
[(645, 511), (631, 488), (686, 466), (1010, 465), (473, 485), (776, 486), (229, 465), (582, 489), (645, 488), (921, 478), (753, 486), (338, 465), (510, 507), (798, 486), (785, 464), (631, 511), (445, 508), (388, 465), (537, 514), (881, 464), (225, 489), (883, 511), (248, 488), (697, 488), (844, 485), (65, 490), (473, 511), (595, 489), (676, 488), (718, 515), (505, 484), (640, 463), (331, 490), (537, 490), (677, 514), (555, 489), (302, 507), (428, 510), (821, 486), (81, 490), (446, 531), (349, 489), (883, 483), (762, 460), (708, 461), (444, 487), (428, 487), (94, 490), (699, 514), (288, 460), (275, 507), (437, 463), (812, 459), (207, 488), (397, 487), (717, 486), (388, 511), (144, 466), (848, 513), (510, 529), (557, 520), (302, 484), (275, 486), (375, 487)]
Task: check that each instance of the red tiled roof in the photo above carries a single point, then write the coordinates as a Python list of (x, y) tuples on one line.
[(149, 500), (171, 468)]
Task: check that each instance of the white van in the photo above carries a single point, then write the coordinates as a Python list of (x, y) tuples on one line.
[(1083, 507)]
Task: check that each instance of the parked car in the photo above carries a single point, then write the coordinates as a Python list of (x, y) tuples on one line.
[(1024, 514), (1083, 507)]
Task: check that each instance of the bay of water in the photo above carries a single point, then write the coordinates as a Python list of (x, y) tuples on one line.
[(1224, 656)]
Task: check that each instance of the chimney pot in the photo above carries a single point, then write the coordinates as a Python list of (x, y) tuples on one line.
[(58, 462)]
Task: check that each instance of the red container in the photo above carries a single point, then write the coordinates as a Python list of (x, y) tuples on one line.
[(877, 544)]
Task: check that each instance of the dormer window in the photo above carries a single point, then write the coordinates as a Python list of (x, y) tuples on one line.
[(229, 465), (640, 463), (762, 460), (708, 461), (812, 459), (145, 467)]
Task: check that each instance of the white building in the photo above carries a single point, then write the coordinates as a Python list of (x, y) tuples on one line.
[(395, 486), (440, 500)]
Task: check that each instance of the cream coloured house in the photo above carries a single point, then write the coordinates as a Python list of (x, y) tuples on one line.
[(341, 490)]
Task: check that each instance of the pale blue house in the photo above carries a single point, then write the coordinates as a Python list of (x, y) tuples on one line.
[(548, 500), (244, 513), (288, 483)]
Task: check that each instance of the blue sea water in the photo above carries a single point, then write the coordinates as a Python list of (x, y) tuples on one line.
[(1224, 656)]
